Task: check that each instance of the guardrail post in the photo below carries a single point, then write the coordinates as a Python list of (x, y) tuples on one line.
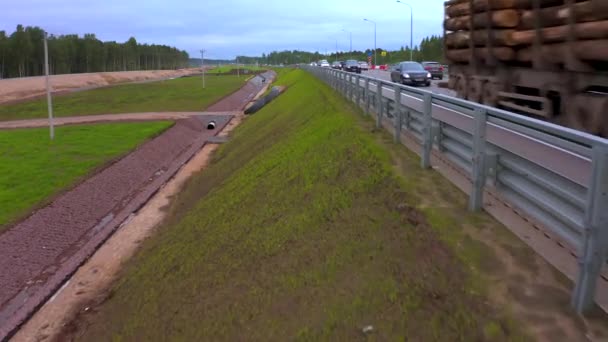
[(367, 95), (595, 235), (479, 160), (347, 86), (378, 103), (351, 87), (398, 117), (427, 131), (357, 90)]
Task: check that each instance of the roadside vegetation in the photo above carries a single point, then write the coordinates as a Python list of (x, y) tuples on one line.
[(181, 94), (33, 169), (307, 227)]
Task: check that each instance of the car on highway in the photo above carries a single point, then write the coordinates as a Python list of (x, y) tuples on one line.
[(364, 65), (336, 65), (352, 65), (435, 68), (410, 73), (324, 63)]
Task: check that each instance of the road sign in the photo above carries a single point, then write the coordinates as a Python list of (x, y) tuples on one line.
[(383, 53), (369, 54), (369, 60)]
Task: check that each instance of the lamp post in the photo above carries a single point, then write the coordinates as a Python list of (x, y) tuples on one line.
[(411, 28), (336, 49), (49, 100), (350, 52), (375, 49), (203, 66)]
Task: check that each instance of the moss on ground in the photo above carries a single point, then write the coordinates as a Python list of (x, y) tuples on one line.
[(306, 227)]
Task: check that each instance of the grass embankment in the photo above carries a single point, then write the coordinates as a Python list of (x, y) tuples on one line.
[(32, 168), (301, 230), (181, 94)]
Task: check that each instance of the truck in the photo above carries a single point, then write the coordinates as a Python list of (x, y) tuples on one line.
[(547, 59)]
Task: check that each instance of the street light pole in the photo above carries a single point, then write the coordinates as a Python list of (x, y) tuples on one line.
[(336, 49), (203, 66), (375, 49), (350, 52), (411, 28), (49, 101)]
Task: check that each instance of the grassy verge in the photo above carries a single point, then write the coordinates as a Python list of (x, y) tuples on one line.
[(302, 230), (32, 168), (182, 94)]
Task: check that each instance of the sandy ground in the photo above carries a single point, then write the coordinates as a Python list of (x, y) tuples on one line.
[(94, 278), (88, 119), (17, 89)]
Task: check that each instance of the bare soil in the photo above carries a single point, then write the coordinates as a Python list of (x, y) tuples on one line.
[(18, 89)]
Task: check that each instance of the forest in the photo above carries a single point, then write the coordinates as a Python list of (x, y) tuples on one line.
[(430, 49), (22, 54)]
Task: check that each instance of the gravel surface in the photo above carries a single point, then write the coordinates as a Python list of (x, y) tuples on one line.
[(38, 254), (385, 75)]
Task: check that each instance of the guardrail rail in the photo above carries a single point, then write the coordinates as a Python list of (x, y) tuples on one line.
[(553, 177)]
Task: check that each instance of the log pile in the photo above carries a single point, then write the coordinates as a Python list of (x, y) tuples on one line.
[(522, 30)]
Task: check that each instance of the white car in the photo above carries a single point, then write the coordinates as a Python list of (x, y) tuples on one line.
[(324, 64)]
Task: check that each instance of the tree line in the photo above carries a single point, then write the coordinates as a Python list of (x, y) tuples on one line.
[(22, 54), (430, 49)]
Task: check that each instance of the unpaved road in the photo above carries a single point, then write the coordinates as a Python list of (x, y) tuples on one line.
[(89, 119), (19, 89), (38, 254)]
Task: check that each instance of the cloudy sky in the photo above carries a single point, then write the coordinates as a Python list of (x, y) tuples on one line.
[(233, 27)]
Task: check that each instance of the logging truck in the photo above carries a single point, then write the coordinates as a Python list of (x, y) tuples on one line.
[(542, 58)]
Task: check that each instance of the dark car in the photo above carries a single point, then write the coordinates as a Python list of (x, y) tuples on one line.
[(336, 65), (434, 68), (410, 73), (352, 66)]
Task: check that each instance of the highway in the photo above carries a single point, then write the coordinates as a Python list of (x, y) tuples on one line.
[(386, 76)]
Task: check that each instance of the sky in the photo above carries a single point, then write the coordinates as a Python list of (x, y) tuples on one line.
[(229, 28)]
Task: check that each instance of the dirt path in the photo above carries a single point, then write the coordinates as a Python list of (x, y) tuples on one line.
[(87, 119), (39, 254)]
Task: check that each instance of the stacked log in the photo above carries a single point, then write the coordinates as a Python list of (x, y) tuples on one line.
[(520, 30)]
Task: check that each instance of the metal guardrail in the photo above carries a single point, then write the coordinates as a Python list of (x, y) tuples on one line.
[(555, 175)]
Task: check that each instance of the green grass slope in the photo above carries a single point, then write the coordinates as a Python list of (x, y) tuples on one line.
[(33, 168), (302, 230), (181, 94)]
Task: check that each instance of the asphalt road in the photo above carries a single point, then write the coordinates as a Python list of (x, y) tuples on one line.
[(385, 75)]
